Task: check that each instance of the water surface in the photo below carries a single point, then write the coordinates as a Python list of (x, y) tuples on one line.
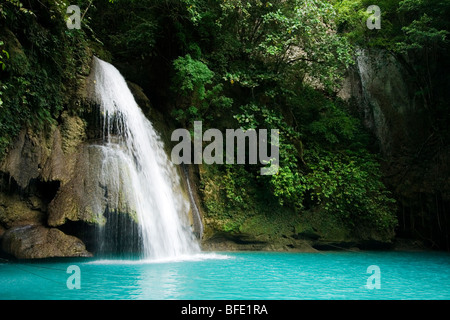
[(237, 275)]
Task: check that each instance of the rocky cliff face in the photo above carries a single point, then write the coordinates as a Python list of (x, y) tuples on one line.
[(415, 156), (386, 99), (33, 172), (37, 171)]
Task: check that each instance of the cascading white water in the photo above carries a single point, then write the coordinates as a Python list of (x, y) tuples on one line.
[(195, 211), (136, 173)]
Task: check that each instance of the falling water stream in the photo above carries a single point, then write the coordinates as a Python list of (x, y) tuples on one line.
[(138, 178)]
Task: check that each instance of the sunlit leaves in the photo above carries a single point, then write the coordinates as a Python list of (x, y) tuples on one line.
[(192, 75)]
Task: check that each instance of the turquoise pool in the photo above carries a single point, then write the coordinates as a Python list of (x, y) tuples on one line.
[(234, 275)]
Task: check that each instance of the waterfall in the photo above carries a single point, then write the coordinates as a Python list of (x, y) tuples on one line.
[(198, 225), (145, 207)]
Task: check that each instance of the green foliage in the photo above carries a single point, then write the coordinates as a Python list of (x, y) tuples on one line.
[(336, 174), (324, 161), (193, 79), (41, 71), (136, 38), (420, 34), (12, 5), (333, 126), (4, 55), (192, 76), (262, 55), (280, 36), (350, 186), (351, 17)]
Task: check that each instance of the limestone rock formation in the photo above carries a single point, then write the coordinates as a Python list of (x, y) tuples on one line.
[(415, 158), (31, 242)]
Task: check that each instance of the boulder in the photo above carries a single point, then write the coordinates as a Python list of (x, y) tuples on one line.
[(31, 242)]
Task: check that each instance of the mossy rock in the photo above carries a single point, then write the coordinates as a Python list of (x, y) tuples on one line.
[(14, 211), (18, 61)]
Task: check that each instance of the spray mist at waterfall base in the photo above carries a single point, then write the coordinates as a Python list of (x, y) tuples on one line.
[(180, 258)]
